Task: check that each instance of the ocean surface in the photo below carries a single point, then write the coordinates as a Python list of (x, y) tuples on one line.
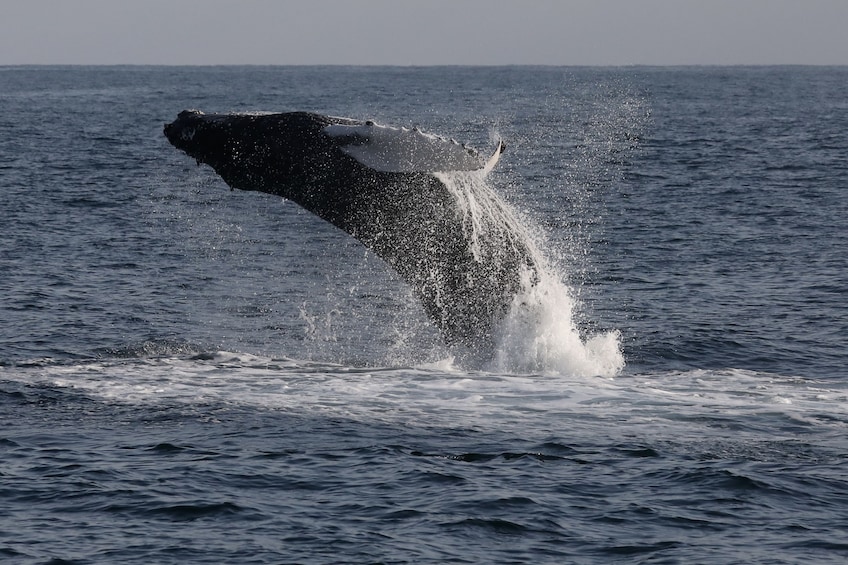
[(194, 375)]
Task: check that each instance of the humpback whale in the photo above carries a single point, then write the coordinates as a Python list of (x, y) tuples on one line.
[(407, 195)]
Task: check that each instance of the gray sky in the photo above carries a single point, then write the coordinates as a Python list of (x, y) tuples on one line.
[(424, 32)]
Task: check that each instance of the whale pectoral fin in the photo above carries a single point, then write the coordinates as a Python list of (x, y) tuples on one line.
[(493, 160), (390, 149)]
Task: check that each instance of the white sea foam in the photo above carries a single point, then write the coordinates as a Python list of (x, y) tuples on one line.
[(439, 395), (539, 336)]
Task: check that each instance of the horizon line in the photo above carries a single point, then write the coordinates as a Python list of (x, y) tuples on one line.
[(429, 65)]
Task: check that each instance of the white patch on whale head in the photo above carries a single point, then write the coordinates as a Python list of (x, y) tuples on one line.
[(187, 134)]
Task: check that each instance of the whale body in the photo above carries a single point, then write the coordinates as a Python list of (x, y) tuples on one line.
[(407, 195)]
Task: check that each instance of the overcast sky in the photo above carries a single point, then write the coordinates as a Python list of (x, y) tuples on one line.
[(424, 32)]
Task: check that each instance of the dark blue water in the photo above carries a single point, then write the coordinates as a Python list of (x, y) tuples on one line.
[(192, 375)]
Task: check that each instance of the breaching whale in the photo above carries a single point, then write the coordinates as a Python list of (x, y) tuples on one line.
[(406, 195)]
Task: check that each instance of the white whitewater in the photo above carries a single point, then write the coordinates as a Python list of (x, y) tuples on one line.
[(539, 334)]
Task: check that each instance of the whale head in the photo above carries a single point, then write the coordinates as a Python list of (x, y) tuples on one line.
[(208, 138), (265, 152), (192, 131)]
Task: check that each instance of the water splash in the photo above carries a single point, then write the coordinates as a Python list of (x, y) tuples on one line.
[(538, 334)]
